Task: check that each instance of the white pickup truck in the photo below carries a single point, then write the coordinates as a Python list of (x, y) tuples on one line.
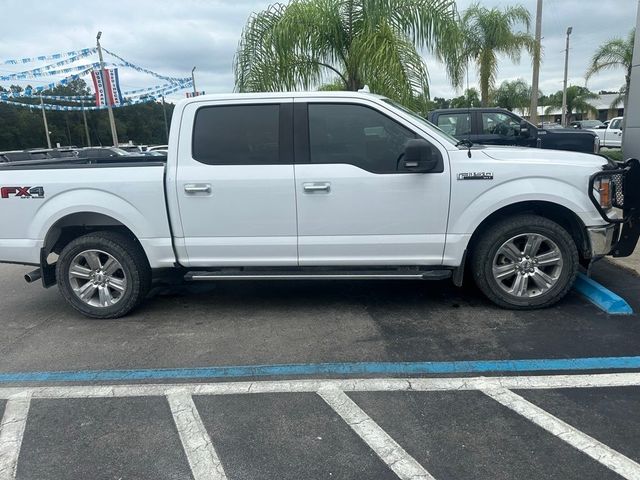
[(611, 135), (314, 186)]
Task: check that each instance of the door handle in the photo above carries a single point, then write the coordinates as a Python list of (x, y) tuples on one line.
[(317, 187), (197, 188)]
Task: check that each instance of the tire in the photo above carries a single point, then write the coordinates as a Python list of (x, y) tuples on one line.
[(109, 269), (501, 269)]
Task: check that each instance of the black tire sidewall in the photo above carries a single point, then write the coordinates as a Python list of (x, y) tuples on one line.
[(116, 246), (493, 240)]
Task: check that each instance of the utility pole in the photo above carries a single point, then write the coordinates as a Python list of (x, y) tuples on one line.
[(166, 125), (533, 110), (112, 121), (86, 125), (193, 79), (46, 125), (564, 87)]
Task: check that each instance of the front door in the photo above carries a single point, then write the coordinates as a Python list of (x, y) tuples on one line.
[(235, 187), (499, 128), (356, 204), (614, 133)]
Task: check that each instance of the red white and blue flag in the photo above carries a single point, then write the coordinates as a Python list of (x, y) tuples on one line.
[(107, 90)]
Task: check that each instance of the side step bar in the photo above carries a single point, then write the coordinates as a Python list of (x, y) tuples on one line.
[(297, 275)]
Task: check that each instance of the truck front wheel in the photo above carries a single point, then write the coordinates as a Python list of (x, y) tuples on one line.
[(525, 262), (103, 274)]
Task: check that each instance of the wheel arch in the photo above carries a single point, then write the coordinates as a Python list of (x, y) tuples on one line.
[(71, 226), (560, 214)]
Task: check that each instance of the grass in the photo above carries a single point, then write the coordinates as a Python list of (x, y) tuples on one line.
[(613, 154)]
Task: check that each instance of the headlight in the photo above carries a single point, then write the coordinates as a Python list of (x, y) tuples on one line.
[(603, 188)]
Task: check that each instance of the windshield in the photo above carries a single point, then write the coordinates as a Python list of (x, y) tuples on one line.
[(422, 120)]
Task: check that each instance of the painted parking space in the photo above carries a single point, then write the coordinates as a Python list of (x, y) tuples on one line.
[(282, 344), (403, 428)]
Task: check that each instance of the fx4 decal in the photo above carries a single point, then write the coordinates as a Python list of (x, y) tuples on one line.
[(22, 192)]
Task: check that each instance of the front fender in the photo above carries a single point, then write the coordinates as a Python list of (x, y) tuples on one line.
[(469, 211)]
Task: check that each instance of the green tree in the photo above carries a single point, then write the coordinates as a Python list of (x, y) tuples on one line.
[(22, 128), (441, 102), (616, 53), (470, 98), (577, 101), (488, 33), (512, 95), (351, 43)]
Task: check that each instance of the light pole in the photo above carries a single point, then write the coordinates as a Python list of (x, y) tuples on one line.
[(533, 110), (564, 87), (166, 125), (193, 79), (112, 121), (86, 125), (46, 125)]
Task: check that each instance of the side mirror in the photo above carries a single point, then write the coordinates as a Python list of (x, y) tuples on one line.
[(421, 157), (524, 130)]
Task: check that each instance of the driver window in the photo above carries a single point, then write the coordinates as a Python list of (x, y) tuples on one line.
[(356, 135), (497, 123)]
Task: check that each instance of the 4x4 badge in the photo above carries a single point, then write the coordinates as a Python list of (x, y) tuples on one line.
[(475, 176)]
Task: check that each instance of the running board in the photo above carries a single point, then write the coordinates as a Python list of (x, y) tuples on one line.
[(297, 275)]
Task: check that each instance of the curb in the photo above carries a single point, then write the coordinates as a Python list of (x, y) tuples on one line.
[(601, 296)]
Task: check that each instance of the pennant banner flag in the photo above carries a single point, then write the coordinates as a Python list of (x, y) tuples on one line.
[(4, 98), (144, 70), (48, 73), (84, 51), (43, 71)]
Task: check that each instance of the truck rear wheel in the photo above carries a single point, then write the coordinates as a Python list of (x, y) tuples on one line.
[(103, 274), (525, 262)]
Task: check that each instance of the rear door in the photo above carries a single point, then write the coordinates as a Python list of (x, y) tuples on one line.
[(235, 184), (356, 204), (457, 124)]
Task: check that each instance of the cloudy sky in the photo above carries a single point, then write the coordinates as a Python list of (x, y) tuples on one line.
[(170, 37)]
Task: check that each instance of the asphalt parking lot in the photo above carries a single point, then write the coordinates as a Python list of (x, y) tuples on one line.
[(145, 396)]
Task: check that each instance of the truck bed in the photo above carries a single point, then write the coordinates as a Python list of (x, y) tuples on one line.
[(39, 195)]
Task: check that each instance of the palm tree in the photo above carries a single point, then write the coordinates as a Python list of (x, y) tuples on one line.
[(511, 95), (616, 53), (349, 43), (577, 101), (487, 33), (470, 98)]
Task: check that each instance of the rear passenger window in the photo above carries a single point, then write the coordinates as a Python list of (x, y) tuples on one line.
[(456, 124), (237, 135), (356, 135)]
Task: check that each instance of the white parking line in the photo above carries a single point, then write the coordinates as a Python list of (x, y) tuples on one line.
[(616, 461), (206, 464), (347, 385), (12, 427), (203, 459), (396, 458)]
